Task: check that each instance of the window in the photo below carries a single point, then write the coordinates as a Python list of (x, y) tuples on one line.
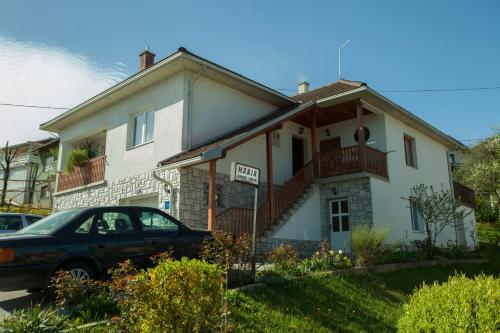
[(32, 219), (114, 223), (143, 128), (48, 163), (85, 227), (410, 152), (155, 222), (44, 191), (11, 222), (417, 222), (339, 213)]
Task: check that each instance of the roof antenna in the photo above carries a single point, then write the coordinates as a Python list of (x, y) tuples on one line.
[(340, 48)]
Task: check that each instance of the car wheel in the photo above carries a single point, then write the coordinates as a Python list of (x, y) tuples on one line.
[(80, 270)]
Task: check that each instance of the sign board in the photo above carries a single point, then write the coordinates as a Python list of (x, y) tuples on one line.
[(245, 174), (167, 204)]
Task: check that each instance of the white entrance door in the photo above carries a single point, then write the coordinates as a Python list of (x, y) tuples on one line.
[(339, 219)]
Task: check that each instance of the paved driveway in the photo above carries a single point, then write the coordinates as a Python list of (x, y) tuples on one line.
[(12, 300)]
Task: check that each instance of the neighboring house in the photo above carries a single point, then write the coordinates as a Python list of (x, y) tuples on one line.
[(28, 177), (168, 134)]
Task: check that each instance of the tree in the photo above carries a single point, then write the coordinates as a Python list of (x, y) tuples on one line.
[(438, 210), (8, 156), (480, 169)]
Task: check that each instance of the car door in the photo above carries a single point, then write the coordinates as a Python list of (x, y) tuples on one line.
[(116, 237), (163, 233)]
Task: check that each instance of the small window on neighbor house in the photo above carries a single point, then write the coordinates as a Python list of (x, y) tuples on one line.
[(410, 152), (417, 222), (143, 128), (452, 158), (48, 164), (44, 191)]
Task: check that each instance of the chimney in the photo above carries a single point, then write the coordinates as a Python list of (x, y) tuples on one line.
[(303, 87), (146, 59)]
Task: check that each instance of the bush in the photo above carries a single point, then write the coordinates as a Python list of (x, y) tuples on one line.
[(88, 300), (284, 259), (459, 305), (35, 320), (325, 259), (367, 244), (76, 157), (227, 250), (174, 296), (25, 210)]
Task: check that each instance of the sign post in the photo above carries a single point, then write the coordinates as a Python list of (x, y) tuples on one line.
[(249, 175)]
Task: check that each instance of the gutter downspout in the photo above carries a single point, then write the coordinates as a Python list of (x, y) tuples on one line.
[(190, 105), (168, 186)]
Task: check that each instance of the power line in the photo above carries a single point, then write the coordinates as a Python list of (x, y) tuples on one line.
[(34, 106)]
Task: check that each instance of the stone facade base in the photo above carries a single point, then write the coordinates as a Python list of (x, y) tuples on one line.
[(304, 248)]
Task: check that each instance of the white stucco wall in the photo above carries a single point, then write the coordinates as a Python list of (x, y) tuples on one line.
[(166, 97), (253, 153), (218, 109), (305, 224), (390, 209), (345, 130)]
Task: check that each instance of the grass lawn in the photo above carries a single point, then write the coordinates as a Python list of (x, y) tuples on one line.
[(487, 230), (354, 303)]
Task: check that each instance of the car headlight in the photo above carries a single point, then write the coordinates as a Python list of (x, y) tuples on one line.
[(7, 255)]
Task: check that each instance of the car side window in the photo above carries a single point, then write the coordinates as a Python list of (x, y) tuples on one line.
[(9, 222), (32, 219), (114, 223), (85, 227), (152, 221)]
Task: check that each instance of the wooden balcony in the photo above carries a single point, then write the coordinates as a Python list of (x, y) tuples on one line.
[(347, 160), (466, 195), (92, 171)]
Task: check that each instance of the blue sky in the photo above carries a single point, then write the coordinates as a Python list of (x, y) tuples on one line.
[(396, 45)]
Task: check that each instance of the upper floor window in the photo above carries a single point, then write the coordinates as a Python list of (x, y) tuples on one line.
[(410, 151), (144, 124), (48, 163)]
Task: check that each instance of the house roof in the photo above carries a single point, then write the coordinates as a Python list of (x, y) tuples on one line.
[(319, 96), (332, 89), (175, 62)]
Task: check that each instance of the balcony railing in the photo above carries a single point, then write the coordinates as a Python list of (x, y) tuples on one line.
[(89, 172), (466, 195), (347, 160)]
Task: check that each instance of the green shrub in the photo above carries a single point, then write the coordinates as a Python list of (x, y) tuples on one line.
[(26, 210), (88, 300), (76, 157), (367, 244), (174, 296), (325, 259), (284, 259), (459, 305), (35, 320)]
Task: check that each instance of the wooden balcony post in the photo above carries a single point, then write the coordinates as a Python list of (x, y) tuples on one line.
[(314, 141), (269, 171), (212, 175), (361, 136)]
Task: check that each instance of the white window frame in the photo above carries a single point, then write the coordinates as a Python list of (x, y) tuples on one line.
[(145, 126), (340, 214), (418, 225), (413, 151)]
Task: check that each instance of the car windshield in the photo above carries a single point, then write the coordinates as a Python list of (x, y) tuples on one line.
[(50, 223)]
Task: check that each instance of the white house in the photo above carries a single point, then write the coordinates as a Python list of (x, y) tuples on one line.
[(166, 136)]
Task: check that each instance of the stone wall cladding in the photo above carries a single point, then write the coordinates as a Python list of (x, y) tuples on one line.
[(304, 248), (358, 193), (194, 203), (110, 194)]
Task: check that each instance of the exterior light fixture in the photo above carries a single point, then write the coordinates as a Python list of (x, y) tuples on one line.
[(301, 129), (327, 132)]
